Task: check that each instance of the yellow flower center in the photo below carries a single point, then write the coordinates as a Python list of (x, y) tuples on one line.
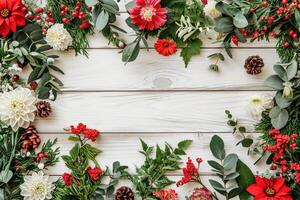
[(4, 13), (270, 192), (256, 101), (147, 13), (17, 106), (39, 188)]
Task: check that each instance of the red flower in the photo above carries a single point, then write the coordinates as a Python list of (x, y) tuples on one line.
[(204, 2), (68, 179), (91, 134), (166, 194), (12, 14), (270, 189), (165, 47), (94, 173), (77, 130), (148, 14)]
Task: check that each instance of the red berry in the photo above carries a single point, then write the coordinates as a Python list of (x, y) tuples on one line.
[(38, 17), (49, 13), (291, 32), (24, 9), (66, 20), (77, 9), (78, 4), (66, 9), (62, 6), (286, 44), (89, 8), (295, 36), (62, 13), (16, 77), (75, 14), (284, 2), (33, 85), (265, 3), (30, 17), (252, 10), (21, 65)]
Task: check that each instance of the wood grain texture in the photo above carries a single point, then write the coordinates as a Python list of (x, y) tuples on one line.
[(104, 71), (125, 147), (199, 111)]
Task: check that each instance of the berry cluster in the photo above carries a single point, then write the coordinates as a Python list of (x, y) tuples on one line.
[(43, 17), (282, 148), (79, 12), (88, 134), (190, 172)]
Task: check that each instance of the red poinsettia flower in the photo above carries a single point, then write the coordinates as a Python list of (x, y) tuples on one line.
[(270, 189), (165, 47), (12, 15), (148, 14)]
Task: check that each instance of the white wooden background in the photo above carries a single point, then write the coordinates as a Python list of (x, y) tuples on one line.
[(156, 99)]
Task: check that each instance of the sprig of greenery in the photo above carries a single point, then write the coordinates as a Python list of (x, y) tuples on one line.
[(151, 176), (234, 174)]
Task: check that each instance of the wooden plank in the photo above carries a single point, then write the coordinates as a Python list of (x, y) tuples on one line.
[(104, 71), (124, 147), (149, 112)]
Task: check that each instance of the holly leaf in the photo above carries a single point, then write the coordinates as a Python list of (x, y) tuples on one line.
[(192, 49)]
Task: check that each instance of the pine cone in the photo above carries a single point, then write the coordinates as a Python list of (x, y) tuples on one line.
[(43, 109), (30, 139), (254, 64), (124, 193)]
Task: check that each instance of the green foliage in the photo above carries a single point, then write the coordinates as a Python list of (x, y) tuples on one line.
[(191, 49), (245, 179), (105, 13), (151, 176), (225, 169)]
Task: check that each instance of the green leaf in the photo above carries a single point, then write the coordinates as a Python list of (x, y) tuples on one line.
[(184, 144), (193, 48), (90, 151), (102, 20), (215, 165), (240, 20), (281, 119), (297, 17), (280, 72), (224, 25), (245, 179), (5, 176), (230, 161), (74, 139), (232, 176), (274, 82), (217, 147), (247, 142), (217, 186), (44, 92), (144, 145), (291, 70), (34, 75), (90, 2), (234, 192), (131, 52), (281, 101), (74, 152)]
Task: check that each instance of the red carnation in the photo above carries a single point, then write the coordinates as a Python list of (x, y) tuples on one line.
[(165, 47), (148, 14), (12, 15), (91, 134), (68, 179), (94, 173), (265, 188)]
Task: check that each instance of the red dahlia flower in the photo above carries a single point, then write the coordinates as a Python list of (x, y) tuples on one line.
[(270, 189), (148, 14), (12, 15), (94, 173), (165, 47)]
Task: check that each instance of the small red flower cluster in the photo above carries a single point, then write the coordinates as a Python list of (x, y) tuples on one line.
[(40, 156), (68, 179), (166, 194), (94, 173), (88, 133), (77, 13), (190, 172), (283, 143)]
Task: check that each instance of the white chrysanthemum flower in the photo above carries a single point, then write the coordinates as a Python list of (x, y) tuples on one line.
[(37, 187), (17, 108), (211, 10), (258, 104), (58, 37)]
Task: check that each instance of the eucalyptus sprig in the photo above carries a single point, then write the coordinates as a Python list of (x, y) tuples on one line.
[(151, 176), (235, 176)]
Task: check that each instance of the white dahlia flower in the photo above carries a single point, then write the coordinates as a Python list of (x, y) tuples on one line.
[(211, 10), (58, 37), (258, 104), (17, 108), (37, 187)]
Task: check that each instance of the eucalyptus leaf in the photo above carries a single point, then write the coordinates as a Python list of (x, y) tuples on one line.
[(217, 147), (240, 20), (230, 161), (279, 69), (274, 82), (281, 101), (224, 25), (102, 20), (292, 70), (281, 120), (90, 2)]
